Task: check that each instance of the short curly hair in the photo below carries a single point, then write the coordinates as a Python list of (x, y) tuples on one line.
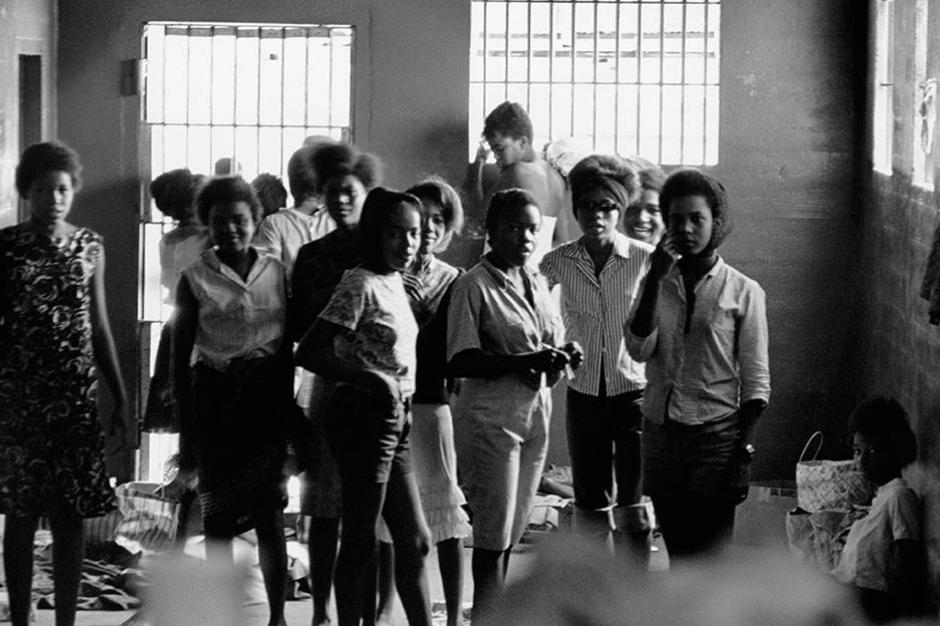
[(652, 176), (884, 422), (48, 156), (510, 119), (344, 159), (506, 200), (227, 189), (301, 177), (601, 170), (270, 191), (174, 193), (692, 182), (437, 190)]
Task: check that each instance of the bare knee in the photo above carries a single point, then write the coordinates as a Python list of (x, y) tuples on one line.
[(421, 542)]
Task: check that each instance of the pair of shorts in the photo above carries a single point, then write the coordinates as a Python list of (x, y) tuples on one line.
[(367, 442)]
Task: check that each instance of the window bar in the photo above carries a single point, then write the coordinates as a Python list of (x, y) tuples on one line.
[(528, 58), (682, 88), (257, 100), (572, 50), (705, 54), (329, 111), (235, 87), (551, 64), (662, 55), (189, 42), (486, 52), (639, 76), (594, 74), (617, 77), (280, 135), (506, 52), (145, 214), (212, 36), (163, 102), (307, 78)]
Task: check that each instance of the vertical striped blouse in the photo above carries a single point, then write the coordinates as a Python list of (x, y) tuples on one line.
[(595, 308)]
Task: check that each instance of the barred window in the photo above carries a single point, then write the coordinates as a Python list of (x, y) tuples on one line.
[(227, 98), (631, 77)]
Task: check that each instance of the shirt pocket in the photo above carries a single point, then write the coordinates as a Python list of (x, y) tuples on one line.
[(718, 354)]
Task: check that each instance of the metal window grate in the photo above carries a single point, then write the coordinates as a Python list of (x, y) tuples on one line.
[(631, 77), (249, 93)]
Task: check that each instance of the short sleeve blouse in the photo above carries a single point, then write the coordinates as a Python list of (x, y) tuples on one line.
[(375, 308), (486, 314)]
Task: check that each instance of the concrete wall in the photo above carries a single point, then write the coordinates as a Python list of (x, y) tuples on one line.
[(899, 349), (790, 73), (788, 115), (26, 27)]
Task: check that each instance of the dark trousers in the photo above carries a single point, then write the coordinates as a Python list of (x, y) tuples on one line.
[(604, 443), (688, 476)]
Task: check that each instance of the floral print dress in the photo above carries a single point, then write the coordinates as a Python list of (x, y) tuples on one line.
[(51, 446)]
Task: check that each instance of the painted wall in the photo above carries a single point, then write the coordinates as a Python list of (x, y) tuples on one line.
[(788, 115), (26, 27), (900, 349), (789, 107)]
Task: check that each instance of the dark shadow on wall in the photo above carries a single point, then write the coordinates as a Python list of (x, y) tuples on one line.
[(121, 280)]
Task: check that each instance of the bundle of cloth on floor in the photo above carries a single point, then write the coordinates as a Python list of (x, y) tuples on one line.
[(146, 525)]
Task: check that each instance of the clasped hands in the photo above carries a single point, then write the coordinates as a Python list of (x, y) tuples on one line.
[(551, 359)]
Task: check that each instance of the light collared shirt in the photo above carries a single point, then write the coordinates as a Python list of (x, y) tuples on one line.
[(237, 318), (595, 308), (706, 371), (488, 314), (894, 515), (175, 256), (283, 233), (375, 308)]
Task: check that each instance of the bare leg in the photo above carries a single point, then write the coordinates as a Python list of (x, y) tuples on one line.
[(272, 555), (18, 565), (362, 502), (68, 551), (487, 569), (450, 561), (386, 582), (405, 520), (324, 532), (370, 589)]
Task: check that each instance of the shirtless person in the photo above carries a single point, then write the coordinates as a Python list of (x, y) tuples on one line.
[(508, 131)]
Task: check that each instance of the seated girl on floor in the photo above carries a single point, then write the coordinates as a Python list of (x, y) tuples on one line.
[(883, 554)]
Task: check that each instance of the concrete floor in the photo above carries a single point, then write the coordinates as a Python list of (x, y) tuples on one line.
[(299, 613)]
